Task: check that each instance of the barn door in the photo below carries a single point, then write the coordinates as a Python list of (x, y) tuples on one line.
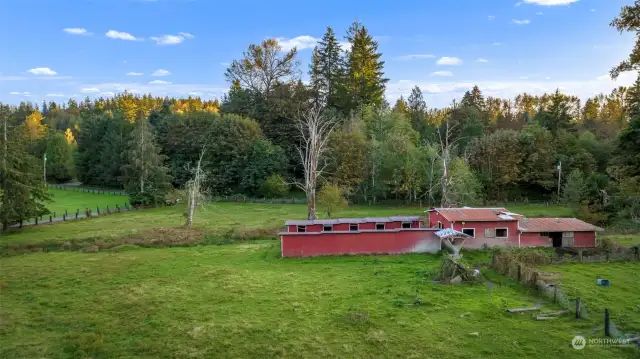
[(567, 239)]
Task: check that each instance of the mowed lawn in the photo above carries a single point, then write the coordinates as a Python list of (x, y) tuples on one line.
[(243, 301), (622, 298), (71, 200), (216, 218)]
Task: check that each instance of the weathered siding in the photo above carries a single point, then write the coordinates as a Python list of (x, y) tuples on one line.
[(531, 239), (361, 242), (434, 217), (480, 240), (584, 239)]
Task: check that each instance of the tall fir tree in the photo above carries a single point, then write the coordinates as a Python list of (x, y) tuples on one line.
[(327, 68), (23, 194), (145, 178), (633, 99), (364, 83)]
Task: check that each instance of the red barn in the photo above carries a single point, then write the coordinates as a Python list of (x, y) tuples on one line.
[(486, 227), (305, 238)]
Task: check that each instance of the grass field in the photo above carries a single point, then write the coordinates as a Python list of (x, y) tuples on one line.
[(625, 239), (622, 298), (70, 200), (216, 218), (243, 301)]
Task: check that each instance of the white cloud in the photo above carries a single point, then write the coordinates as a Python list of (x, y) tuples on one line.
[(54, 95), (90, 90), (550, 2), (442, 73), (491, 17), (518, 4), (592, 10), (161, 72), (416, 56), (345, 45), (449, 61), (76, 31), (520, 22), (107, 94), (195, 93), (159, 82), (480, 59), (19, 93), (496, 44), (172, 39), (134, 73), (42, 71), (547, 78), (225, 64), (539, 13), (299, 42), (121, 35)]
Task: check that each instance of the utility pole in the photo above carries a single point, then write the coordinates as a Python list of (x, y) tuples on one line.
[(45, 169), (559, 176)]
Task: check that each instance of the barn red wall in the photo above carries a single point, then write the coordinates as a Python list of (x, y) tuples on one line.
[(345, 226), (434, 217), (531, 239), (400, 241), (584, 239), (479, 241)]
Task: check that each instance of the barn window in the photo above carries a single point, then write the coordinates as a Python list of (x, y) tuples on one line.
[(502, 233), (567, 234), (353, 227), (469, 231), (544, 234), (489, 233), (406, 224), (302, 229), (379, 226), (439, 224), (327, 227)]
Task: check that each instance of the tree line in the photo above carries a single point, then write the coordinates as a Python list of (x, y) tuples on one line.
[(259, 139)]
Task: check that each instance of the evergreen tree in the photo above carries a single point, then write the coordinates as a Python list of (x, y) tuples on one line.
[(365, 82), (59, 158), (633, 99), (21, 176), (573, 190), (401, 106), (474, 98), (629, 20), (327, 67), (145, 178)]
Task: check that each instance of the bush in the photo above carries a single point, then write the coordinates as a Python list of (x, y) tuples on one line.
[(331, 199), (275, 187)]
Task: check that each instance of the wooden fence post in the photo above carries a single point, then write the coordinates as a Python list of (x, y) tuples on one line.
[(36, 221), (607, 329), (578, 308), (77, 212), (98, 210), (64, 217), (66, 213), (50, 219), (519, 272)]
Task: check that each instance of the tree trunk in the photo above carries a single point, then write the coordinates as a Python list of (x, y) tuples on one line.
[(311, 204)]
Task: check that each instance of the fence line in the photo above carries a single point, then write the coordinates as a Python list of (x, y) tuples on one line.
[(88, 190), (66, 216)]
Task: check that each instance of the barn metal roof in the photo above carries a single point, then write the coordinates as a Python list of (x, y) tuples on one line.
[(352, 220), (556, 225), (476, 214), (451, 233)]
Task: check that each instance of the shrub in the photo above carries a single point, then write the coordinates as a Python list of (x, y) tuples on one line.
[(331, 199), (275, 187)]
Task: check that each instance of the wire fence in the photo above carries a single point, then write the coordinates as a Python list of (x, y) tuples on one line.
[(107, 192), (57, 217)]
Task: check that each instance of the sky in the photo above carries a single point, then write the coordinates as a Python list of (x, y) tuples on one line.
[(56, 49)]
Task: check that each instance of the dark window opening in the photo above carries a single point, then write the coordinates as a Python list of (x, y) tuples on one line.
[(439, 224), (327, 228), (501, 232), (406, 224), (469, 231), (544, 234), (302, 229), (379, 226), (353, 227)]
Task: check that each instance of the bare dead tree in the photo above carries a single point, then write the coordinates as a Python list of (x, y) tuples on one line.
[(315, 128), (447, 147), (194, 189)]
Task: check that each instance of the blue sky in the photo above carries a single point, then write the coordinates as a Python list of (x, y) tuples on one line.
[(53, 50)]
